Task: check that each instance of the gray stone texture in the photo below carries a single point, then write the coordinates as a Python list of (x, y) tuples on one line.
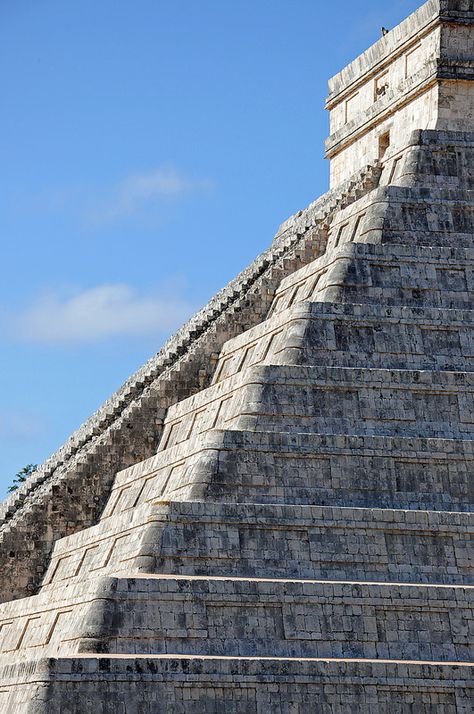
[(275, 514)]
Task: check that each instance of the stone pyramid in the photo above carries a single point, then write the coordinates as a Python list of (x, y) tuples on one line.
[(274, 514)]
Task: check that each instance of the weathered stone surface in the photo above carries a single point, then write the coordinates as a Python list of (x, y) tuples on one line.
[(419, 76), (275, 514), (158, 685)]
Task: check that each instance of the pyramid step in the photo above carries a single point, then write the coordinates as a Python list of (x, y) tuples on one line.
[(272, 541), (389, 275), (338, 470), (315, 542), (287, 618), (244, 617), (404, 214), (337, 400), (349, 335), (438, 217), (235, 685)]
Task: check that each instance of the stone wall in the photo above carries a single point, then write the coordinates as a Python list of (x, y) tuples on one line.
[(297, 538), (410, 79), (245, 686), (69, 490)]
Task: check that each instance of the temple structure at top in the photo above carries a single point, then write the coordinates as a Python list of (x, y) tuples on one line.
[(275, 513), (418, 76)]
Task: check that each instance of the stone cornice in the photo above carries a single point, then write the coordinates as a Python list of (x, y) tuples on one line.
[(383, 52), (394, 100), (453, 68), (432, 14), (448, 68)]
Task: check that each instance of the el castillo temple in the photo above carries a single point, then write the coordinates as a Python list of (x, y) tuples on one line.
[(273, 515)]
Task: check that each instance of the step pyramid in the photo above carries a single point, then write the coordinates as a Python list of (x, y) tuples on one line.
[(275, 514)]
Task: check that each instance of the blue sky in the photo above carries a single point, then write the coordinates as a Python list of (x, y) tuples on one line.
[(148, 150)]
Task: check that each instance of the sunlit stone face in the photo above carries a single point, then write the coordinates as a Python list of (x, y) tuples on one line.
[(418, 76)]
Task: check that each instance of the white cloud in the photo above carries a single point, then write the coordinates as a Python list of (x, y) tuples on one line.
[(140, 191), (113, 310)]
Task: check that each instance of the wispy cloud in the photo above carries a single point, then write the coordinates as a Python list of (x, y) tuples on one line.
[(140, 195), (138, 192), (105, 311)]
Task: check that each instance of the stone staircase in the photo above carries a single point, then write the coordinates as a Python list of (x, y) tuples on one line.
[(53, 503), (302, 538)]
